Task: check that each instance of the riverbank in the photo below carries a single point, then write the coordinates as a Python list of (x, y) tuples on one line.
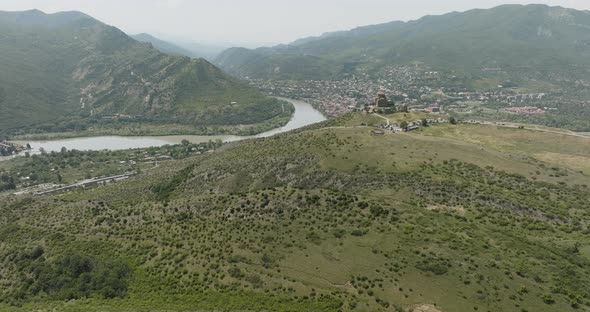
[(137, 129), (304, 114), (12, 148)]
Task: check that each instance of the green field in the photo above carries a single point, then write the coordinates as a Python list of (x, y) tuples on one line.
[(326, 218)]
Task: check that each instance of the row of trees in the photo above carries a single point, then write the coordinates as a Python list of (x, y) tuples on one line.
[(7, 183)]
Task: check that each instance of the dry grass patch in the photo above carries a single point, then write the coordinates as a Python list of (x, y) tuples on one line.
[(423, 308)]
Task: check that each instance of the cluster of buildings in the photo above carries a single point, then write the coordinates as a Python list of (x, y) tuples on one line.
[(85, 184), (525, 110), (122, 117), (331, 97), (506, 96), (380, 105), (334, 98), (8, 148), (412, 125), (415, 86), (4, 146)]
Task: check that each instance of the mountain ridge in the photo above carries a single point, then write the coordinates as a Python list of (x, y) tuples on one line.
[(501, 36), (72, 70), (162, 45)]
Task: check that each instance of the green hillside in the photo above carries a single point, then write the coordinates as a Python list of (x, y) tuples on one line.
[(535, 38), (327, 218), (70, 72)]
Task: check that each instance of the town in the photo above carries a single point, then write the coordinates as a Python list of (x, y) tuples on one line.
[(417, 87), (381, 105), (68, 170)]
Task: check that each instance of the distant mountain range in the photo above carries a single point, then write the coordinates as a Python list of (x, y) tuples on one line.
[(66, 70), (163, 46), (508, 36), (190, 49)]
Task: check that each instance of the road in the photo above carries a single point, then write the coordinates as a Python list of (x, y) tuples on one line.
[(534, 128), (386, 119)]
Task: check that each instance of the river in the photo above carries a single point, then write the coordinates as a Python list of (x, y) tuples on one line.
[(304, 115)]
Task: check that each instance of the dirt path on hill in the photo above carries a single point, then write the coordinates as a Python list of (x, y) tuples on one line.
[(423, 308), (535, 128), (387, 119)]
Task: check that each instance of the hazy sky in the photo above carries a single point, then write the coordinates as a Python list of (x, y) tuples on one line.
[(253, 22)]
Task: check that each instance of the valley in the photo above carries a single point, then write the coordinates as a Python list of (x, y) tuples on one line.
[(421, 88), (303, 115), (468, 64), (439, 164), (70, 73)]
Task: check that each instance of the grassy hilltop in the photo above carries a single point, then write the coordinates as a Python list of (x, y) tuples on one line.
[(69, 72), (327, 218)]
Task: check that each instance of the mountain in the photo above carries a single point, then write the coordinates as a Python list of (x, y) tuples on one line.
[(191, 49), (327, 218), (512, 37), (69, 72), (206, 51), (163, 46)]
